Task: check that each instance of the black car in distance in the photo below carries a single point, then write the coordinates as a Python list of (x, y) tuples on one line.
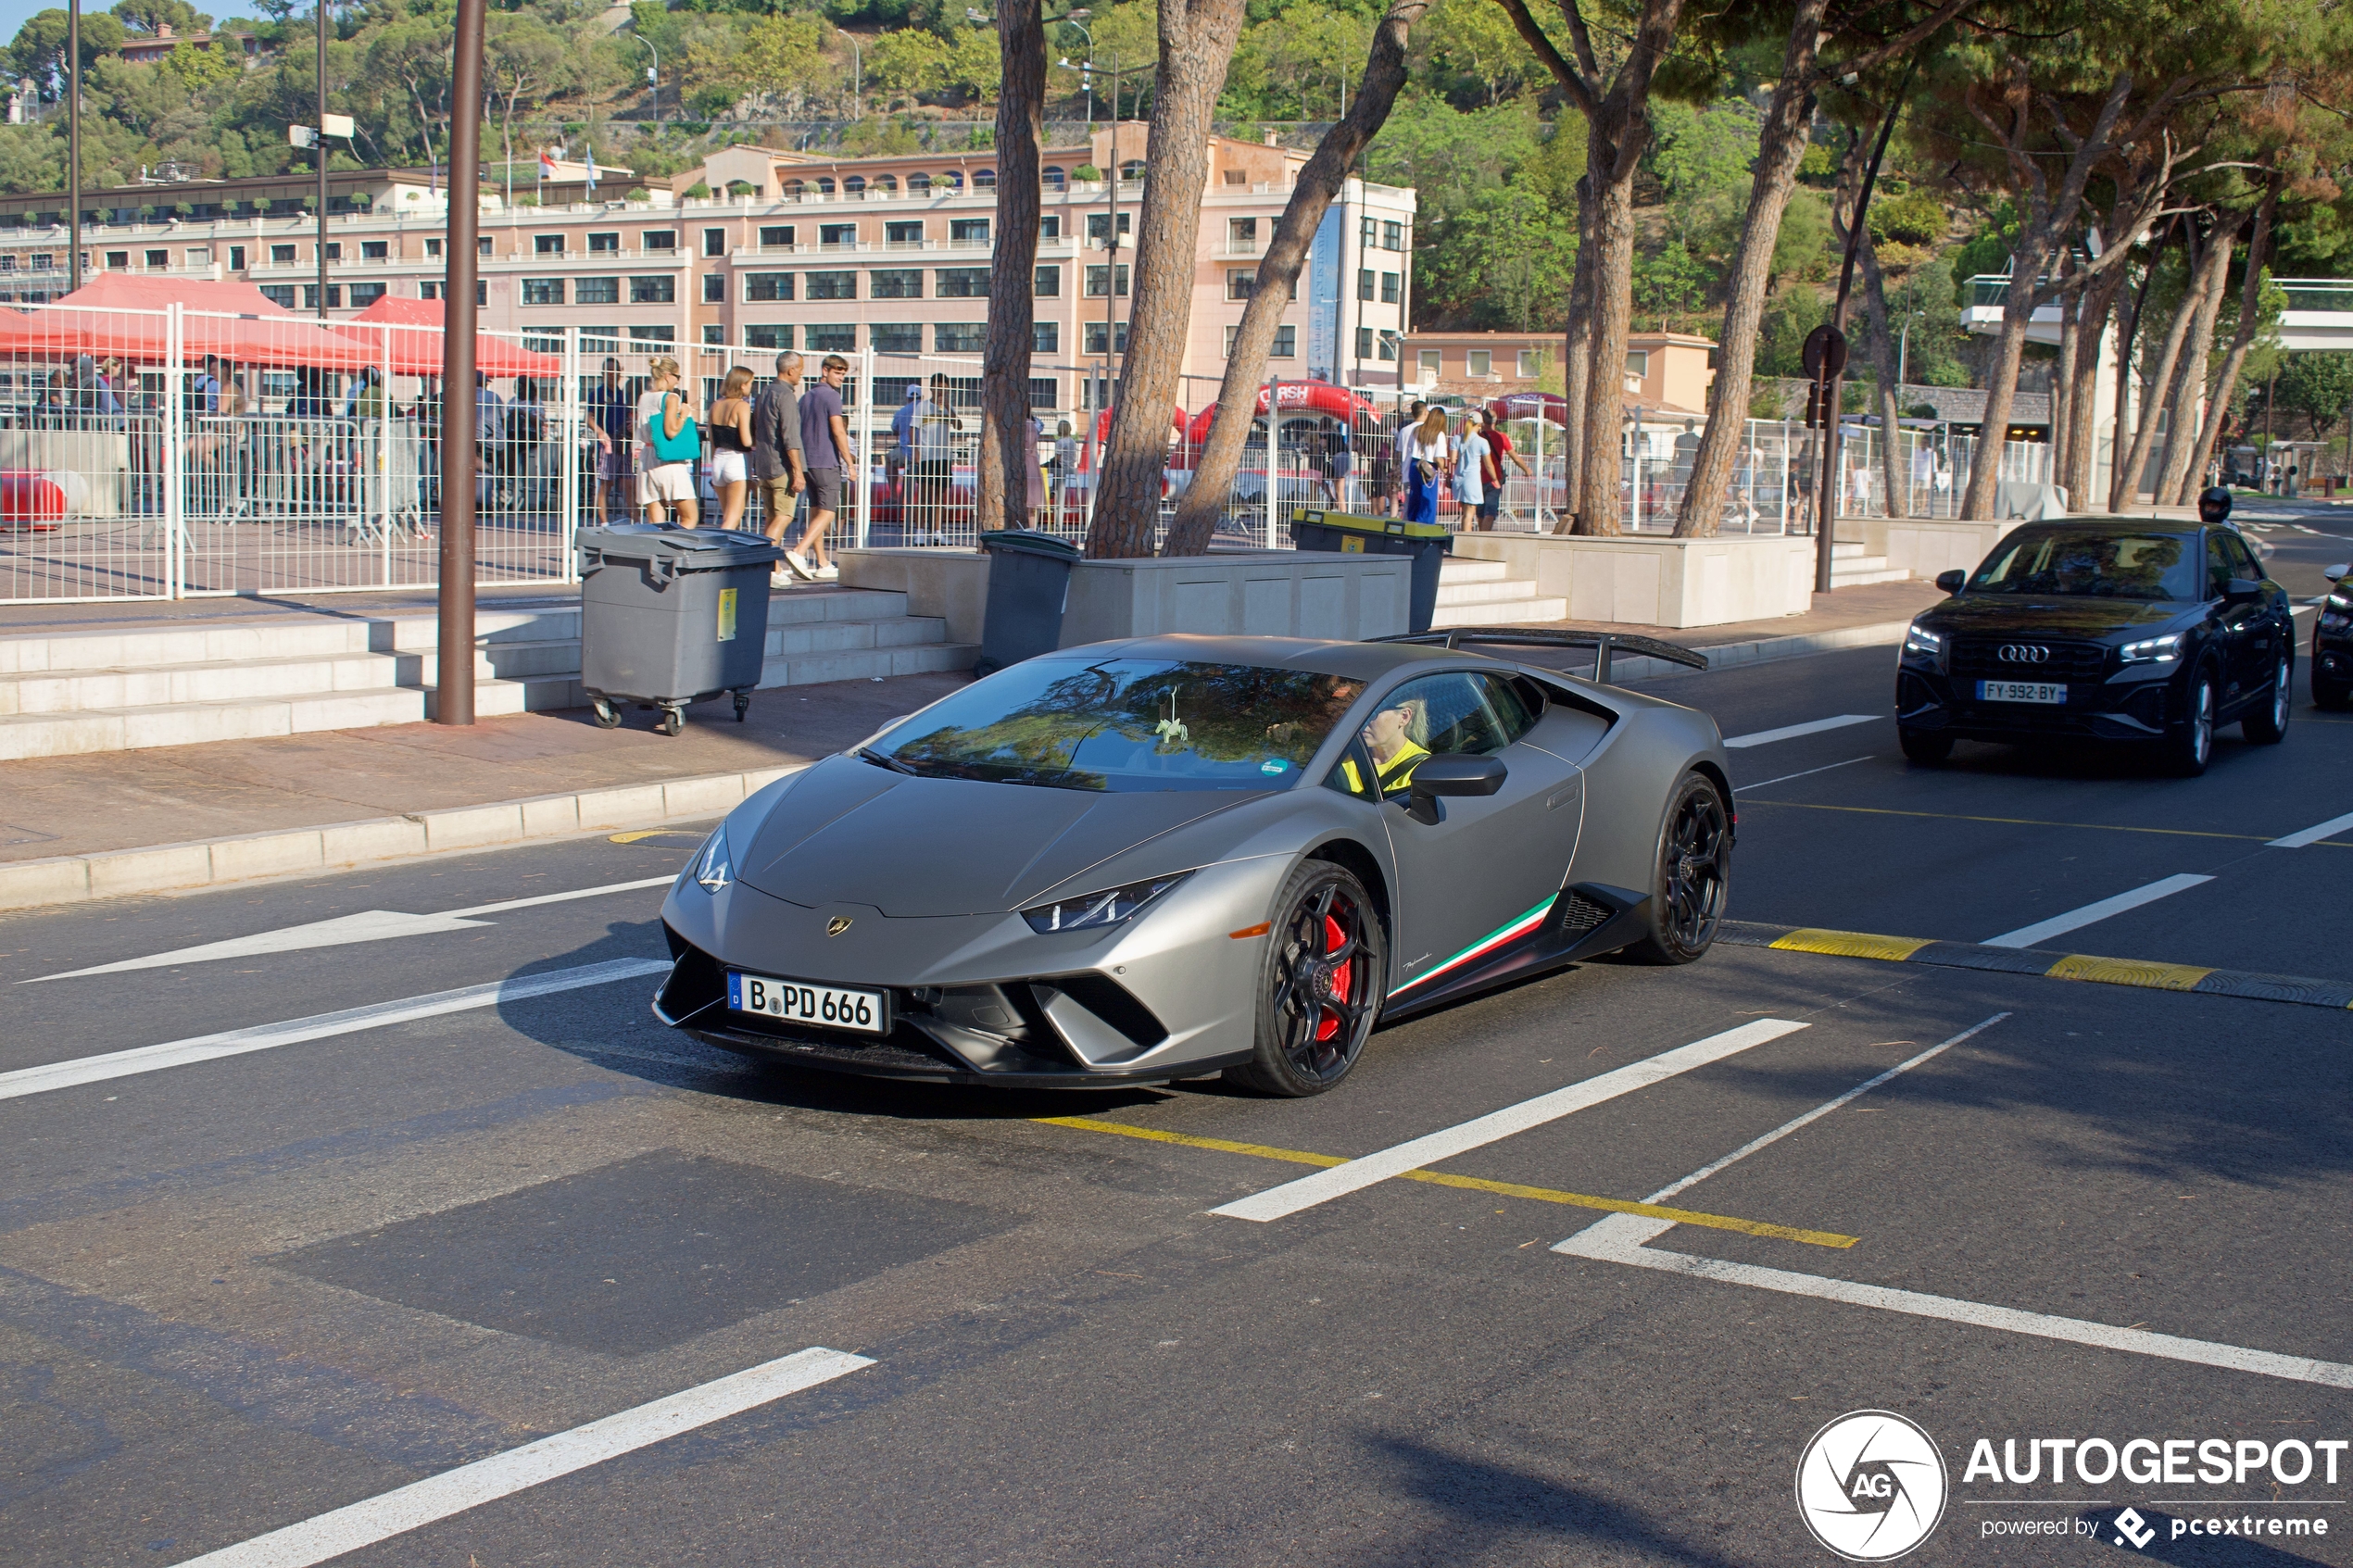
[(2109, 629), (2332, 642)]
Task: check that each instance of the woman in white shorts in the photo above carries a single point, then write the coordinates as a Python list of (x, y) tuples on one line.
[(666, 469), (731, 447)]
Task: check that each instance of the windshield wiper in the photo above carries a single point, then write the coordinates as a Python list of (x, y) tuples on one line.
[(882, 760)]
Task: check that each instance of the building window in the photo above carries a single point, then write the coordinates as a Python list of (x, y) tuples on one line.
[(952, 180), (775, 235), (896, 337), (282, 294), (919, 184), (792, 190), (311, 296), (236, 258), (198, 256), (714, 242), (600, 340), (836, 234), (1392, 236), (663, 290), (1099, 226), (543, 291), (1241, 234), (1233, 330), (1479, 362), (663, 334), (366, 294), (159, 259), (1388, 345), (910, 232), (546, 245), (1132, 171), (896, 284), (831, 338), (1101, 280), (1364, 283), (375, 250), (1240, 284), (1368, 230), (1047, 282), (1528, 359), (597, 243), (1286, 344), (433, 248), (280, 256), (1050, 226), (854, 186), (1095, 336), (957, 337), (1046, 337), (1388, 286), (716, 335), (887, 184), (961, 283), (715, 288), (762, 288), (833, 285), (595, 291), (1431, 363), (658, 240), (121, 258), (481, 248), (1054, 178), (968, 231), (1364, 343), (983, 180), (768, 337), (335, 250), (1638, 363)]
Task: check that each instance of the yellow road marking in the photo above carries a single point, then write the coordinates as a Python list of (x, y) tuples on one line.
[(1853, 944), (2128, 972), (2026, 822), (652, 833), (1439, 1178)]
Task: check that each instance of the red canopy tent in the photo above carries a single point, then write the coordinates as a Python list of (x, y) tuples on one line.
[(1319, 397), (1530, 406), (418, 353), (122, 313)]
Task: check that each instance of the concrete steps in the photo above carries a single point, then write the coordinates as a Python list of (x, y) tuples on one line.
[(80, 692), (1478, 593), (1850, 568)]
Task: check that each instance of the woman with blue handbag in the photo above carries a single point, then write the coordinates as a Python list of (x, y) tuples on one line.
[(669, 443)]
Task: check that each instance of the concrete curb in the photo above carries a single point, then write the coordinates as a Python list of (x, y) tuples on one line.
[(176, 868), (172, 868)]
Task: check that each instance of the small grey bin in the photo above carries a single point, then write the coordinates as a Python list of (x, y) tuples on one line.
[(670, 616), (1029, 588)]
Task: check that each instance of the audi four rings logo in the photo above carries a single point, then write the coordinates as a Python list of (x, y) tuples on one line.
[(2022, 653), (1871, 1485)]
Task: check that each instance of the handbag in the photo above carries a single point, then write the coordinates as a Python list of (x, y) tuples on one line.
[(1426, 470), (683, 447)]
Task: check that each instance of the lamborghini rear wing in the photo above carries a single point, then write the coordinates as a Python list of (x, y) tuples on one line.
[(1603, 643)]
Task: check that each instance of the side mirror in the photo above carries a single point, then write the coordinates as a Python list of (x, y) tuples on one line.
[(1951, 581), (2335, 572), (2242, 590), (1451, 773)]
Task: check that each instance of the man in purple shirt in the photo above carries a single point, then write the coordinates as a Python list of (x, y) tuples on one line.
[(825, 443)]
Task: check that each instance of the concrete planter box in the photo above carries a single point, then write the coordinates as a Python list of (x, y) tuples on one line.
[(1926, 547), (952, 584), (1252, 593), (1654, 582)]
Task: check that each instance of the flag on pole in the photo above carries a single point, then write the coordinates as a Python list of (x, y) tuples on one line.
[(592, 169), (546, 164)]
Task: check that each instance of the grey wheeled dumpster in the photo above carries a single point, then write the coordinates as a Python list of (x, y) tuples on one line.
[(670, 616), (1028, 585)]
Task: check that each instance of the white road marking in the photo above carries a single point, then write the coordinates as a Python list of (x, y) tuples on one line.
[(1807, 774), (1615, 1244), (264, 1037), (501, 1476), (1791, 732), (2091, 914), (2314, 833), (1338, 1181), (368, 925)]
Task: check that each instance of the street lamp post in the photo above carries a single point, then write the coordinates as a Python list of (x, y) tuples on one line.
[(460, 411), (73, 146), (1111, 236), (653, 75), (322, 150)]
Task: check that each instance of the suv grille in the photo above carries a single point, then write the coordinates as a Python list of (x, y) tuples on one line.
[(1978, 657)]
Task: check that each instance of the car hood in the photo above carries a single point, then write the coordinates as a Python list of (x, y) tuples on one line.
[(849, 832), (1983, 615)]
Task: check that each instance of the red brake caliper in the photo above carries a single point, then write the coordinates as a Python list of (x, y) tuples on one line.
[(1334, 938)]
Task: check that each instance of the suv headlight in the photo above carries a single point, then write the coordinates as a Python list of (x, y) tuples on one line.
[(1093, 911), (2156, 650), (712, 868), (1920, 640)]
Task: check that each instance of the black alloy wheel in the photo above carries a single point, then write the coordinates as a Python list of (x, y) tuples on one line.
[(1320, 988), (2188, 749), (2267, 725), (1927, 748), (1694, 877)]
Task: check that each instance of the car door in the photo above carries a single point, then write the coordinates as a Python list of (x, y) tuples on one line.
[(2239, 635), (2269, 629), (1468, 878)]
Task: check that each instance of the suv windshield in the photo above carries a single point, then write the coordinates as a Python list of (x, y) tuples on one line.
[(2089, 563), (1126, 725)]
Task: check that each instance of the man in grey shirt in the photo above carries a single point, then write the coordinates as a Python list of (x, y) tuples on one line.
[(779, 466)]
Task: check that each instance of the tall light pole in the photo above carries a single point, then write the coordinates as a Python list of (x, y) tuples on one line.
[(454, 659), (1111, 236), (857, 81), (320, 146), (73, 146), (653, 75), (1086, 78)]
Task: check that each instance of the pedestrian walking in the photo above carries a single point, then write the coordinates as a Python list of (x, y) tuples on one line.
[(668, 445), (731, 442), (1494, 471), (778, 464), (1428, 457), (1470, 474), (1403, 442), (824, 440), (936, 429), (611, 418)]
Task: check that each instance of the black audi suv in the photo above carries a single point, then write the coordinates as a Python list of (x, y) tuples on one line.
[(2332, 642), (2108, 629)]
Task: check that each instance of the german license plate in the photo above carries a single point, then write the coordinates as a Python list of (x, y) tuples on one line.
[(800, 1001), (2020, 690)]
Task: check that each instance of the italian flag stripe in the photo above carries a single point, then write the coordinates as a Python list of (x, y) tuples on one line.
[(1518, 926)]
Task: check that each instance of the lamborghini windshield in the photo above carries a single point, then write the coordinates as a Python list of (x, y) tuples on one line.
[(1125, 724), (2091, 563)]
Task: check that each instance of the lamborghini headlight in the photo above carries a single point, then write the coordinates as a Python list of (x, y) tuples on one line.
[(712, 868), (1093, 911)]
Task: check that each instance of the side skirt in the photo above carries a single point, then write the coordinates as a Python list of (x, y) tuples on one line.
[(1581, 920)]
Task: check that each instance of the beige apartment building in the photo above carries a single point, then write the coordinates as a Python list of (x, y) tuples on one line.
[(1669, 373), (885, 255)]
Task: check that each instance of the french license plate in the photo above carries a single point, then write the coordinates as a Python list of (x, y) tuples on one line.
[(2020, 690), (799, 1001)]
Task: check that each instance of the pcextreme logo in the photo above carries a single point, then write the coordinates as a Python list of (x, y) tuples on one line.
[(1871, 1485)]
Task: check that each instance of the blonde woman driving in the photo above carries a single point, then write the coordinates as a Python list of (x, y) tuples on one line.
[(1398, 737)]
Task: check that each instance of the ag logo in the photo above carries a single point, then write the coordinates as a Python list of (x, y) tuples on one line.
[(1871, 1485)]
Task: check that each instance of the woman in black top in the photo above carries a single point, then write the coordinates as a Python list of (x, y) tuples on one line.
[(731, 447)]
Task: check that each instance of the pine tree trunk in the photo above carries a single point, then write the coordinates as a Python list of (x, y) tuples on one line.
[(2189, 376), (1576, 361), (2120, 473), (1614, 144), (1318, 183), (1007, 453), (1878, 340), (2062, 382), (2083, 435), (2226, 384), (2001, 381), (1780, 148), (2159, 376), (1197, 41)]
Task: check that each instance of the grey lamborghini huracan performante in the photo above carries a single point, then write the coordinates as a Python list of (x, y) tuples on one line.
[(1165, 858)]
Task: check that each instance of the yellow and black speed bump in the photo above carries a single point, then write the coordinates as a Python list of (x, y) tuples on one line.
[(2148, 974)]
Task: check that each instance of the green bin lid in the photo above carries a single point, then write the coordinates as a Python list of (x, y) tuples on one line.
[(1356, 523)]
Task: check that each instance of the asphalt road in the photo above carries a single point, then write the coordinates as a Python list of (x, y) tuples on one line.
[(242, 1293)]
